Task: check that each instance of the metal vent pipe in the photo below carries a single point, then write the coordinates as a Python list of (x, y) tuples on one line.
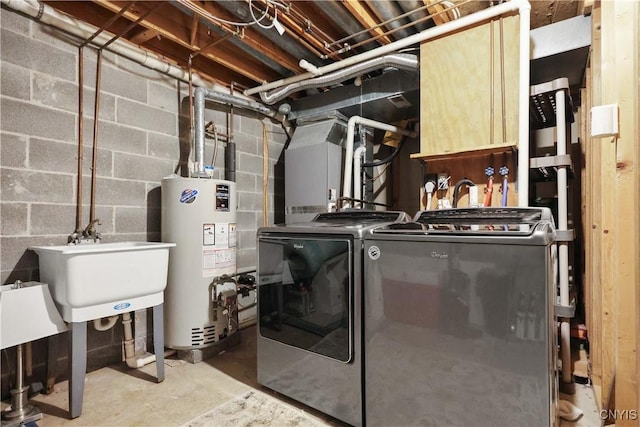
[(400, 61), (202, 93)]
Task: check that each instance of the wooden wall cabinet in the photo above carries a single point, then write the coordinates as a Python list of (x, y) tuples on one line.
[(469, 91)]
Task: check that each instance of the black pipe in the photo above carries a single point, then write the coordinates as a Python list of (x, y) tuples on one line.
[(456, 189), (391, 156), (230, 162)]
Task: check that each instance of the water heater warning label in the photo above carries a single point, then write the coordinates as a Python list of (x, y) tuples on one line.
[(222, 197), (222, 234), (233, 235), (213, 260), (208, 234)]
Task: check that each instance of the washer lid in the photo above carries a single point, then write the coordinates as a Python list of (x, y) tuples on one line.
[(489, 215), (360, 217)]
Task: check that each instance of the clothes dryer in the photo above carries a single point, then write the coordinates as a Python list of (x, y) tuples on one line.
[(309, 309)]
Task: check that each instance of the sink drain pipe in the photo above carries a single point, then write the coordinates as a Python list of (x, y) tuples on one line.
[(130, 357), (105, 323)]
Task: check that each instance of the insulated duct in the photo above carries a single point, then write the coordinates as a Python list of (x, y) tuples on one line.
[(400, 61)]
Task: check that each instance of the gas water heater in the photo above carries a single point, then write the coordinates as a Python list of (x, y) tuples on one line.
[(199, 216)]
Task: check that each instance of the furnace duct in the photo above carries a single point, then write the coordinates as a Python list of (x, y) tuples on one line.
[(401, 61)]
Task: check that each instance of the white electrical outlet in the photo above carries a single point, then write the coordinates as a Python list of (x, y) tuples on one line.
[(604, 121)]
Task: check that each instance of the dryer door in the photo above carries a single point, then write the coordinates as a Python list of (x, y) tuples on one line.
[(305, 293)]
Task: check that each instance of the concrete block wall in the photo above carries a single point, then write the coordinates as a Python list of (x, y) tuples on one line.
[(141, 137)]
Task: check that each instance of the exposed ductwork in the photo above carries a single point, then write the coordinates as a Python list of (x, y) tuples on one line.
[(346, 21), (388, 11), (408, 6), (199, 96), (400, 61), (521, 6), (285, 43)]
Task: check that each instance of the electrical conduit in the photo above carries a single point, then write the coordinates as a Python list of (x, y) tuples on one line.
[(349, 154)]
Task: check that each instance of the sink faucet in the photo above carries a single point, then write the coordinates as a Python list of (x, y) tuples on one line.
[(90, 231)]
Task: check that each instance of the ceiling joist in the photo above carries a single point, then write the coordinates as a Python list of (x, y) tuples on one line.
[(357, 9), (319, 31)]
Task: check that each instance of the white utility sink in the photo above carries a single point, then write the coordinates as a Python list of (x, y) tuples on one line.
[(89, 281)]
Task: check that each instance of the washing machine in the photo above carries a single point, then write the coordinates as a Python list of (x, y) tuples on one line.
[(309, 309), (459, 325)]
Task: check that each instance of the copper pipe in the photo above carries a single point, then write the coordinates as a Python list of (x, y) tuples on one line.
[(206, 15), (107, 24), (368, 30), (95, 124), (94, 159), (298, 32), (133, 24), (230, 153), (190, 105), (210, 45), (80, 136), (386, 33), (304, 21)]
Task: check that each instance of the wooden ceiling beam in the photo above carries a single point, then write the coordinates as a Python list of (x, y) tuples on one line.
[(255, 40), (366, 19), (142, 36), (438, 11), (296, 31), (169, 29), (202, 65), (194, 29)]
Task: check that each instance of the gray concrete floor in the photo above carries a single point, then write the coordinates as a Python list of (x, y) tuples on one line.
[(120, 396)]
